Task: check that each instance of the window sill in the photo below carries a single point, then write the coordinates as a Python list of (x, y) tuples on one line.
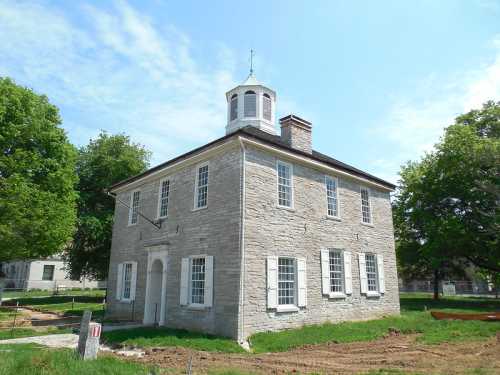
[(372, 294), (367, 224), (287, 308), (291, 209), (131, 225), (199, 208), (197, 307), (334, 218), (337, 295), (128, 301)]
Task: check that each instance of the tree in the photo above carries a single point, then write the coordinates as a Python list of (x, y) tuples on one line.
[(446, 209), (37, 176), (103, 162)]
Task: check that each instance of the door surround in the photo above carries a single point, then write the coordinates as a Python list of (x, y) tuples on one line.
[(156, 253)]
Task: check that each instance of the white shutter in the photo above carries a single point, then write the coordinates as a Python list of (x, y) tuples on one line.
[(325, 271), (119, 280), (348, 272), (184, 281), (301, 282), (381, 277), (209, 280), (362, 273), (272, 282), (133, 281)]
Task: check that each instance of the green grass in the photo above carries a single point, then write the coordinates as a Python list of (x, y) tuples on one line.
[(5, 313), (36, 360), (412, 320), (150, 337), (63, 304), (47, 293)]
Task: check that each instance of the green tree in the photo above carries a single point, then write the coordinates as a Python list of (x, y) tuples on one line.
[(446, 209), (37, 176), (103, 162)]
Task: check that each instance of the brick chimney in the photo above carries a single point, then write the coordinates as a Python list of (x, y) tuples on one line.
[(296, 133)]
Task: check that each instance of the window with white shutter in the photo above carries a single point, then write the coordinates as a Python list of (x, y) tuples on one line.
[(286, 283), (197, 281), (371, 268), (336, 273), (126, 281)]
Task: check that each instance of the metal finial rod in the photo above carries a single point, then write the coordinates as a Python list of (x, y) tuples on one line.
[(252, 52)]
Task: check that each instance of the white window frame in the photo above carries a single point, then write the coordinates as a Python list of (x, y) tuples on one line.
[(131, 207), (124, 273), (375, 292), (52, 275), (293, 305), (233, 105), (370, 206), (196, 187), (267, 97), (290, 166), (336, 180), (158, 215), (342, 292), (190, 290)]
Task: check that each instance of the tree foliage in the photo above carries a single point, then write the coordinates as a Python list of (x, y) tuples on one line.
[(103, 162), (37, 176), (446, 209)]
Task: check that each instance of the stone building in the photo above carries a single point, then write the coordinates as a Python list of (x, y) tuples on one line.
[(253, 232)]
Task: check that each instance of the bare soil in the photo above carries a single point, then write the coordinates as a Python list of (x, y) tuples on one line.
[(393, 352), (31, 318)]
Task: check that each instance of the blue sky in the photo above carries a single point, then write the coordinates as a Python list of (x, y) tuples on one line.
[(378, 80)]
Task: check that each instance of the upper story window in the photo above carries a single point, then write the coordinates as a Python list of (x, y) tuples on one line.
[(365, 206), (134, 207), (285, 190), (332, 196), (234, 107), (250, 105), (266, 107), (201, 192), (163, 198)]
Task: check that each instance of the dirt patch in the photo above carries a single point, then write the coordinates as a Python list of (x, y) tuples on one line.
[(31, 318), (393, 352)]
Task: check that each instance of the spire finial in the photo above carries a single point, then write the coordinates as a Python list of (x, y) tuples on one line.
[(252, 53)]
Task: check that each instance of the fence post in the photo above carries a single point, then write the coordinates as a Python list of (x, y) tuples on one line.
[(14, 320)]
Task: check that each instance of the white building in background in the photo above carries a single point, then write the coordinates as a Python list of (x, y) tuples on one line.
[(48, 274)]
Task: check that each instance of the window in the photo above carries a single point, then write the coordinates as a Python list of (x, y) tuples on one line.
[(234, 107), (266, 107), (201, 193), (286, 281), (198, 281), (48, 272), (332, 196), (336, 272), (365, 206), (250, 105), (127, 280), (284, 184), (163, 198), (371, 272), (134, 207)]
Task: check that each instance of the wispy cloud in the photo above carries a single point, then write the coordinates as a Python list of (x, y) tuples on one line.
[(118, 70), (414, 124)]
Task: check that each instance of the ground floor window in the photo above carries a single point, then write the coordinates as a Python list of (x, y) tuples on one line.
[(371, 272), (198, 281), (286, 281), (48, 272), (127, 280), (336, 271)]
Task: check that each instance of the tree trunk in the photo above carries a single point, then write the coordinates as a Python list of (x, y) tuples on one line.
[(436, 284)]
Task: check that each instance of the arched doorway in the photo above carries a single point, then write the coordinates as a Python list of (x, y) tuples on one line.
[(155, 309)]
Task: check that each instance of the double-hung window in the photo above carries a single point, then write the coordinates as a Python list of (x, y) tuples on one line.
[(198, 281), (163, 198), (286, 281), (332, 196), (127, 281), (48, 272), (371, 272), (201, 192), (285, 184), (365, 206), (336, 271), (134, 207)]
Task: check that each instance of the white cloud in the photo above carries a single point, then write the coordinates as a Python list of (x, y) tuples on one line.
[(415, 124), (117, 70)]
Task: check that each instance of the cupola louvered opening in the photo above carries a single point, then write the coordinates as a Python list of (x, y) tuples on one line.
[(250, 106), (234, 107), (266, 107)]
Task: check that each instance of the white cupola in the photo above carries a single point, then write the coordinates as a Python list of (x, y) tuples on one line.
[(251, 103)]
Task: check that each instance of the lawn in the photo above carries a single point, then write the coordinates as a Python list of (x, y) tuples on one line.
[(150, 337), (47, 293), (413, 319), (63, 304)]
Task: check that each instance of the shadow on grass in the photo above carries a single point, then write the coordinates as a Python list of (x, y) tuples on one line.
[(53, 300), (421, 302)]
